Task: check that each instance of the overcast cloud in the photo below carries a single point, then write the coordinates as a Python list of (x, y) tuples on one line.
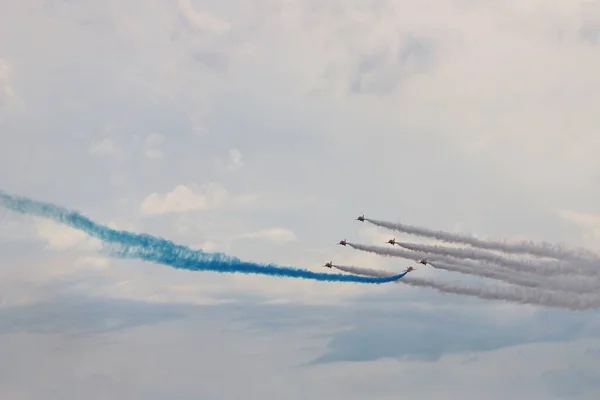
[(262, 129)]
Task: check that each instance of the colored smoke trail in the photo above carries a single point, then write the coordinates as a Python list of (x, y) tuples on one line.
[(77, 221), (191, 264), (540, 249), (159, 250)]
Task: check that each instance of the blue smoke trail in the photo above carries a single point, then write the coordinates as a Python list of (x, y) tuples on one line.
[(249, 268), (155, 249)]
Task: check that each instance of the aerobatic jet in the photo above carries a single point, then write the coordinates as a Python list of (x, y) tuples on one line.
[(361, 218), (423, 261), (392, 241), (342, 242), (329, 264), (406, 271)]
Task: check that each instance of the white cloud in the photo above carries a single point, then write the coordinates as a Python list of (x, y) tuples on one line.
[(154, 154), (202, 20), (478, 113), (188, 293), (320, 117), (208, 246), (192, 198), (105, 147), (185, 198), (61, 237), (5, 72), (588, 223), (233, 162), (9, 100), (273, 235), (244, 200), (93, 261), (493, 362), (198, 124), (152, 146)]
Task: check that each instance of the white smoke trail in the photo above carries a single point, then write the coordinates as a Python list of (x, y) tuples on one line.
[(364, 271), (510, 293), (541, 249), (449, 258), (386, 251), (534, 280), (564, 284), (412, 255), (514, 278), (539, 268)]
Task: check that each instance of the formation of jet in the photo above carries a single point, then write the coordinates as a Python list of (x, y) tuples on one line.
[(423, 261), (391, 241)]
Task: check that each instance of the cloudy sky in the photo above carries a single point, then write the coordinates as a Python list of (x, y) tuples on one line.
[(262, 129)]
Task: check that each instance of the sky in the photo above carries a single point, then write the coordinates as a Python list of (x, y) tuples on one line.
[(262, 129)]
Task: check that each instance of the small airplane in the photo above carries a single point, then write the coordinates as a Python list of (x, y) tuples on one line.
[(423, 261), (361, 218), (342, 242), (392, 241), (410, 269), (329, 264)]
